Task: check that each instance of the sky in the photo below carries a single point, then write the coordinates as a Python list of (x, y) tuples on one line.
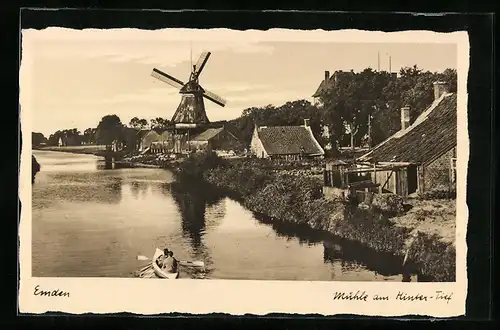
[(75, 77)]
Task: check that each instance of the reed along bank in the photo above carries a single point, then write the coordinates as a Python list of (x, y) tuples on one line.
[(420, 231)]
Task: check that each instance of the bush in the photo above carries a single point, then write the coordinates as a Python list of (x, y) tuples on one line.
[(380, 238), (438, 194), (387, 203), (197, 164), (434, 257), (239, 178)]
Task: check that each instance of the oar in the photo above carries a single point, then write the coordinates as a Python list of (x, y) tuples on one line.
[(192, 263), (182, 263), (145, 268)]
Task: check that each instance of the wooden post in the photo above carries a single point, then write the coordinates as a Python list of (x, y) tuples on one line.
[(403, 178), (421, 181), (369, 131)]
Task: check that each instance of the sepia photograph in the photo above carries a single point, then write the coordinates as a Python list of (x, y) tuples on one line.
[(203, 155)]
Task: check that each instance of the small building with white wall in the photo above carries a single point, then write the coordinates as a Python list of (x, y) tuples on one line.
[(285, 142)]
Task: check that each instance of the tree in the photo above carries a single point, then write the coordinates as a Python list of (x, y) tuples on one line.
[(159, 124), (89, 135), (375, 98), (69, 137), (349, 103), (54, 138), (450, 77), (290, 113), (138, 123), (110, 128), (37, 139)]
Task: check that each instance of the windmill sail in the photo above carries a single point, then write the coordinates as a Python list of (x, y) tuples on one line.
[(191, 110), (214, 98), (174, 82), (201, 62)]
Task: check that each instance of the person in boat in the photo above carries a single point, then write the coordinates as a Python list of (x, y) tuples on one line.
[(169, 262), (161, 261)]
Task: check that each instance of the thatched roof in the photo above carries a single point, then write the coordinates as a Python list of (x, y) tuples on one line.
[(289, 140)]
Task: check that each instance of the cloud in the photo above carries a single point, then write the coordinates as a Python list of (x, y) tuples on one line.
[(237, 88), (125, 46)]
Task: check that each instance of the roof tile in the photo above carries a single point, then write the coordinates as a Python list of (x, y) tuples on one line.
[(431, 135)]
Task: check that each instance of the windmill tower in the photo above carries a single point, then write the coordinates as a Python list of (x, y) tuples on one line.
[(191, 112)]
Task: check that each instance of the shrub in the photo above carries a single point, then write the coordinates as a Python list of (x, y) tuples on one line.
[(438, 194), (196, 164), (434, 257), (387, 203)]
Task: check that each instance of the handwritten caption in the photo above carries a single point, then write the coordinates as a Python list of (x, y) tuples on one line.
[(38, 291), (400, 296)]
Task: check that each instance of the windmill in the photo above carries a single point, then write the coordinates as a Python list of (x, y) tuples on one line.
[(191, 110)]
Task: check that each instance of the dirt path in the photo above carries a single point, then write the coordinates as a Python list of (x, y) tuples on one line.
[(431, 217)]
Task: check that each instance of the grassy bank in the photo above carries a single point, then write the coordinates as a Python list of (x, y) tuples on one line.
[(267, 188)]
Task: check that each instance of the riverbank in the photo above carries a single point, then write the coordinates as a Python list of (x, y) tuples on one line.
[(419, 231), (81, 149)]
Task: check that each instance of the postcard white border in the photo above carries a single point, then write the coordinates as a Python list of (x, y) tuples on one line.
[(237, 297)]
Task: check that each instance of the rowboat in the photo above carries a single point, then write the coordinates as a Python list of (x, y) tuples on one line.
[(160, 272)]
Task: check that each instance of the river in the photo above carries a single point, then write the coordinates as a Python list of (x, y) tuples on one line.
[(93, 220)]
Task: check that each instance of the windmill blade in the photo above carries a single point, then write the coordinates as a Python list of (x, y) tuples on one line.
[(167, 78), (214, 98), (201, 62)]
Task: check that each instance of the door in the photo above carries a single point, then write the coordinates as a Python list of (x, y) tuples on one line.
[(402, 182), (412, 179)]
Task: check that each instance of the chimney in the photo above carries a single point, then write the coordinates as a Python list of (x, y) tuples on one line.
[(440, 88), (405, 117), (327, 76), (306, 122)]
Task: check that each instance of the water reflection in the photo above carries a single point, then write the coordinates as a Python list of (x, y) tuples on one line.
[(193, 200), (383, 263), (65, 188), (125, 212), (336, 250), (139, 188), (105, 165)]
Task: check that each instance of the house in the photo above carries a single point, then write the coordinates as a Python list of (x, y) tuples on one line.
[(328, 82), (169, 142), (216, 139), (211, 138), (145, 138), (325, 84), (421, 156), (117, 145), (285, 142)]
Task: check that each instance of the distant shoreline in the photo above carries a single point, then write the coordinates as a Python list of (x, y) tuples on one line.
[(97, 150), (84, 149)]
